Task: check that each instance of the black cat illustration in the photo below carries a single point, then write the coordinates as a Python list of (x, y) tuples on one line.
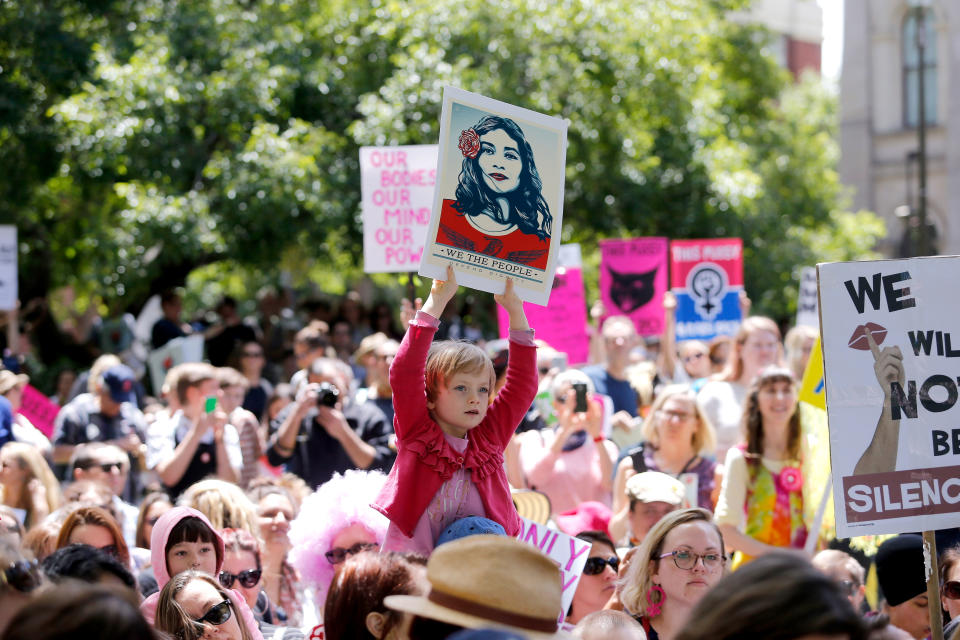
[(630, 291)]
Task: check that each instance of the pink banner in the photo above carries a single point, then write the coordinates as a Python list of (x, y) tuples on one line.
[(633, 279), (563, 322), (38, 409)]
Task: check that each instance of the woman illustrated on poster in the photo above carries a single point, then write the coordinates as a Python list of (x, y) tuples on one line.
[(499, 210)]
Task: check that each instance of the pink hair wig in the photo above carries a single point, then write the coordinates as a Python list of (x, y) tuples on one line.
[(342, 501)]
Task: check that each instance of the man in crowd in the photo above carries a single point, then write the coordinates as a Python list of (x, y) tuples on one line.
[(323, 431), (310, 343), (196, 441), (651, 496), (169, 326), (110, 415), (108, 465), (610, 377)]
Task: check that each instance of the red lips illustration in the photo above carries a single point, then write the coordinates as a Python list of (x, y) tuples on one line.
[(859, 340)]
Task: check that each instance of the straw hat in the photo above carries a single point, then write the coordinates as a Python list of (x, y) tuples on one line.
[(489, 581), (9, 380), (532, 505)]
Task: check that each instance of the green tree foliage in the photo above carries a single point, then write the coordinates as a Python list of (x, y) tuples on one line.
[(190, 133)]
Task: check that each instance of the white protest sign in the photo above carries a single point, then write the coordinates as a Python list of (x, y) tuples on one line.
[(808, 314), (8, 267), (891, 355), (177, 351), (397, 185), (569, 553), (498, 208)]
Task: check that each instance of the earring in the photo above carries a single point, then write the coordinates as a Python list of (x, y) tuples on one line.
[(654, 607)]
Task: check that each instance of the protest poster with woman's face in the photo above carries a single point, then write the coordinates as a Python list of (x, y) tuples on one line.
[(499, 197)]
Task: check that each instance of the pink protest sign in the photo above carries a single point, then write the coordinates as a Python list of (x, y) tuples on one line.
[(569, 553), (707, 278), (563, 322), (38, 409), (397, 185), (633, 279)]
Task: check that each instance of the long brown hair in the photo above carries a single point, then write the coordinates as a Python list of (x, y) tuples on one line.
[(94, 516), (753, 420), (172, 619)]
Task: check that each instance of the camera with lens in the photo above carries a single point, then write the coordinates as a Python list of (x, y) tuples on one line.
[(327, 395)]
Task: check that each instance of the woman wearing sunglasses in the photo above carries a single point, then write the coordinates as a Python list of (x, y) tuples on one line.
[(96, 527), (242, 571), (599, 580), (681, 558), (194, 605)]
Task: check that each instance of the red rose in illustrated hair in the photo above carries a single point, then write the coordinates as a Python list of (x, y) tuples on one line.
[(469, 143)]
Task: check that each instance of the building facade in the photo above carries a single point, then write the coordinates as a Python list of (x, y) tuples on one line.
[(797, 27), (879, 116)]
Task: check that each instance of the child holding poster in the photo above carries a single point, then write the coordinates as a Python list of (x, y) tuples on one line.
[(450, 437)]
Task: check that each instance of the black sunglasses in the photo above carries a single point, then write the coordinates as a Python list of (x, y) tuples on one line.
[(106, 467), (215, 615), (951, 589), (23, 576), (338, 554), (595, 566), (247, 579)]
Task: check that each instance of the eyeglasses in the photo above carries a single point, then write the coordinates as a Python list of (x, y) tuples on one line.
[(694, 356), (848, 587), (339, 554), (111, 550), (24, 576), (679, 415), (686, 559), (951, 589), (247, 579), (253, 354), (106, 467), (596, 566)]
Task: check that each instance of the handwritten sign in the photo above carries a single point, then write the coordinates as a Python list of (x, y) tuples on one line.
[(397, 185), (707, 278), (633, 279), (891, 356), (808, 314), (38, 409), (498, 207), (569, 553), (8, 267), (563, 322)]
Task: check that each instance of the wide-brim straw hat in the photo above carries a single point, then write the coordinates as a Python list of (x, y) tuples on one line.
[(489, 581), (532, 505)]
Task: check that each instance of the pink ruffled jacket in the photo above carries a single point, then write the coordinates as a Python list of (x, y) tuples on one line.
[(424, 458)]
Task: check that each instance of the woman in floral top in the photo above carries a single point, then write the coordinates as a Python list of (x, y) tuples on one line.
[(761, 500)]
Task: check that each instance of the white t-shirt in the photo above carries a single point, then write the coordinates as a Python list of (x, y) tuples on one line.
[(722, 403)]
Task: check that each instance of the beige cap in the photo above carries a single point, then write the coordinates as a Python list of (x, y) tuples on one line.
[(653, 486)]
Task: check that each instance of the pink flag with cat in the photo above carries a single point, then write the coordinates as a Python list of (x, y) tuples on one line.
[(633, 279)]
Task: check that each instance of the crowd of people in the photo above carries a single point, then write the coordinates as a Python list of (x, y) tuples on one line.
[(370, 482)]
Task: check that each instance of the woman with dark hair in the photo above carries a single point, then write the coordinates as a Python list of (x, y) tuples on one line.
[(81, 610), (760, 508), (499, 210), (777, 597), (599, 580), (153, 506), (354, 609)]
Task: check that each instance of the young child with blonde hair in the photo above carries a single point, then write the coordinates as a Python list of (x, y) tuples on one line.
[(451, 431)]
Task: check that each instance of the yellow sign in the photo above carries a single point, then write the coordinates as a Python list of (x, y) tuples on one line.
[(811, 387)]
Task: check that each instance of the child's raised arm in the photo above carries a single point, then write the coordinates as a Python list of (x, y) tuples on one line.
[(514, 307), (441, 293)]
